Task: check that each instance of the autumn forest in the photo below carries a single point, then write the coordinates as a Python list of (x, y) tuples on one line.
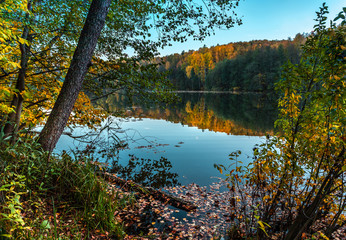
[(103, 137), (243, 66)]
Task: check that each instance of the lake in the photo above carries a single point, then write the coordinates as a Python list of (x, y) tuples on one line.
[(181, 143)]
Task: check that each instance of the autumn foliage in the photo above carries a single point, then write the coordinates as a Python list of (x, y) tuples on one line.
[(241, 66), (294, 189)]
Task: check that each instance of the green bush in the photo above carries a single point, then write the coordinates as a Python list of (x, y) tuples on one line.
[(32, 176)]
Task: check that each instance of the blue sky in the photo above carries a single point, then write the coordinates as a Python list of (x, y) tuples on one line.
[(265, 19)]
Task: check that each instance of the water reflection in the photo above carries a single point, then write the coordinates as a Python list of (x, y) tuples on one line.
[(147, 172), (105, 144), (181, 142), (237, 114)]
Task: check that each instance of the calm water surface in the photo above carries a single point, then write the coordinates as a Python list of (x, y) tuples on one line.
[(181, 144)]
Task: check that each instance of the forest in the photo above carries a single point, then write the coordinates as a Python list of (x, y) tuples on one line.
[(242, 66), (58, 57)]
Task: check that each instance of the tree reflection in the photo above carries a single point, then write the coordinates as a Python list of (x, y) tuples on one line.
[(147, 172), (103, 145), (238, 114)]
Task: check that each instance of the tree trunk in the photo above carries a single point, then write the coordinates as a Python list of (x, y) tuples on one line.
[(13, 119), (162, 196), (306, 215), (73, 83)]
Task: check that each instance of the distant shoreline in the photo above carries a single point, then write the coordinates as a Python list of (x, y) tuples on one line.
[(232, 92)]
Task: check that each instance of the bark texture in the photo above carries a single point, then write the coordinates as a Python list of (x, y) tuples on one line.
[(73, 83)]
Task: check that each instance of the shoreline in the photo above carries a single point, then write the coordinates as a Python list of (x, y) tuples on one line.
[(228, 92)]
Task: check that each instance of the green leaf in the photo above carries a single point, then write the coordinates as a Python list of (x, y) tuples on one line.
[(6, 235), (343, 168), (45, 225)]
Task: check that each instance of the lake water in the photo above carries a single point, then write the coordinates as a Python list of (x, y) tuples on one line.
[(180, 144)]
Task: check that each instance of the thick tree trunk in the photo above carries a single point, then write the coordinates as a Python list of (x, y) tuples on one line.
[(62, 109)]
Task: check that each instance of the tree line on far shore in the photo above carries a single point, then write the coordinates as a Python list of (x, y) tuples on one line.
[(241, 66)]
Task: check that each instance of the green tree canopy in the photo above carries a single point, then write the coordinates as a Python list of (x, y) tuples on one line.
[(43, 34)]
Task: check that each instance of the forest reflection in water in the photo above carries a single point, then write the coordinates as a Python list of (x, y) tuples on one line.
[(237, 114), (179, 144)]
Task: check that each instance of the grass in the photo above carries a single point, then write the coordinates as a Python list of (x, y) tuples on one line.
[(53, 197)]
